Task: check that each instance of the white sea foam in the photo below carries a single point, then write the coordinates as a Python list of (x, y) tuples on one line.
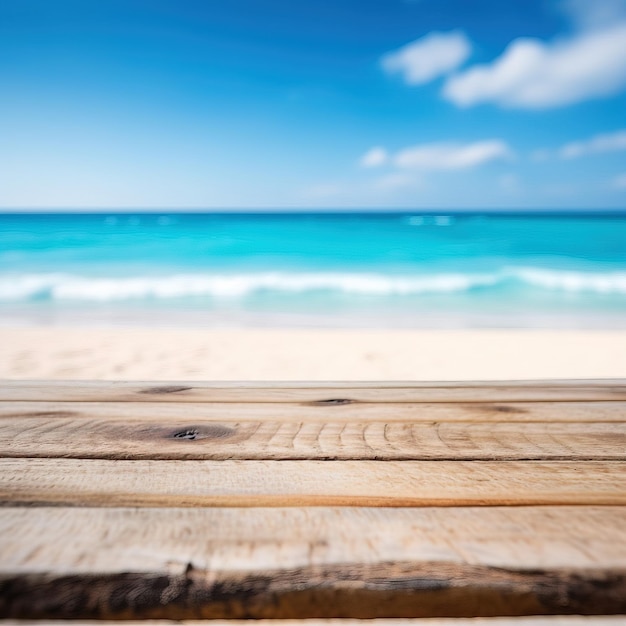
[(66, 287), (593, 282)]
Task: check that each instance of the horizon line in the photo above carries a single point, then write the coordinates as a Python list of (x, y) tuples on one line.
[(304, 210)]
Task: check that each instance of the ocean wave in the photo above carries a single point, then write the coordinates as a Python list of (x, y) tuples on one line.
[(66, 287), (557, 280)]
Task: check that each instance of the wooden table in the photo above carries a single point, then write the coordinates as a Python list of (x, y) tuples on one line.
[(185, 501)]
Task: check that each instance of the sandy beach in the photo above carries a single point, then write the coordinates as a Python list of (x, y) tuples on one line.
[(293, 354)]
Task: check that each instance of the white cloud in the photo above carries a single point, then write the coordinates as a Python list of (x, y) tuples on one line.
[(610, 142), (429, 57), (451, 156), (374, 157), (534, 74), (620, 181)]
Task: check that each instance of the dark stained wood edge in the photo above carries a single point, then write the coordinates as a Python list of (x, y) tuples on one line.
[(362, 591)]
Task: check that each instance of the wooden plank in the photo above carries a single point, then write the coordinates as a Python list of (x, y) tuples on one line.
[(314, 483), (515, 391), (215, 440), (277, 412), (158, 540), (304, 562)]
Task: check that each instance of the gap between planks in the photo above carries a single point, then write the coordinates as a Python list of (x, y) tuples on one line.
[(310, 483)]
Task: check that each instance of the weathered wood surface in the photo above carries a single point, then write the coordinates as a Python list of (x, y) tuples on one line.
[(178, 438), (522, 391), (313, 412), (192, 563), (310, 483), (472, 499), (159, 540)]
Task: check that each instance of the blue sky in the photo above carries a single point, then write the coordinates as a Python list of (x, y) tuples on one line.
[(312, 104)]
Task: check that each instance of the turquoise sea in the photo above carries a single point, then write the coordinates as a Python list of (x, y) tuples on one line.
[(451, 270)]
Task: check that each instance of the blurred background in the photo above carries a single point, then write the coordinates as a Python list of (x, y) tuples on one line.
[(302, 180)]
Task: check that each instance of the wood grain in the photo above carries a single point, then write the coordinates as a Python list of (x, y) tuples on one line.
[(311, 562), (315, 483), (312, 501), (168, 439), (160, 540), (383, 392), (350, 412)]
